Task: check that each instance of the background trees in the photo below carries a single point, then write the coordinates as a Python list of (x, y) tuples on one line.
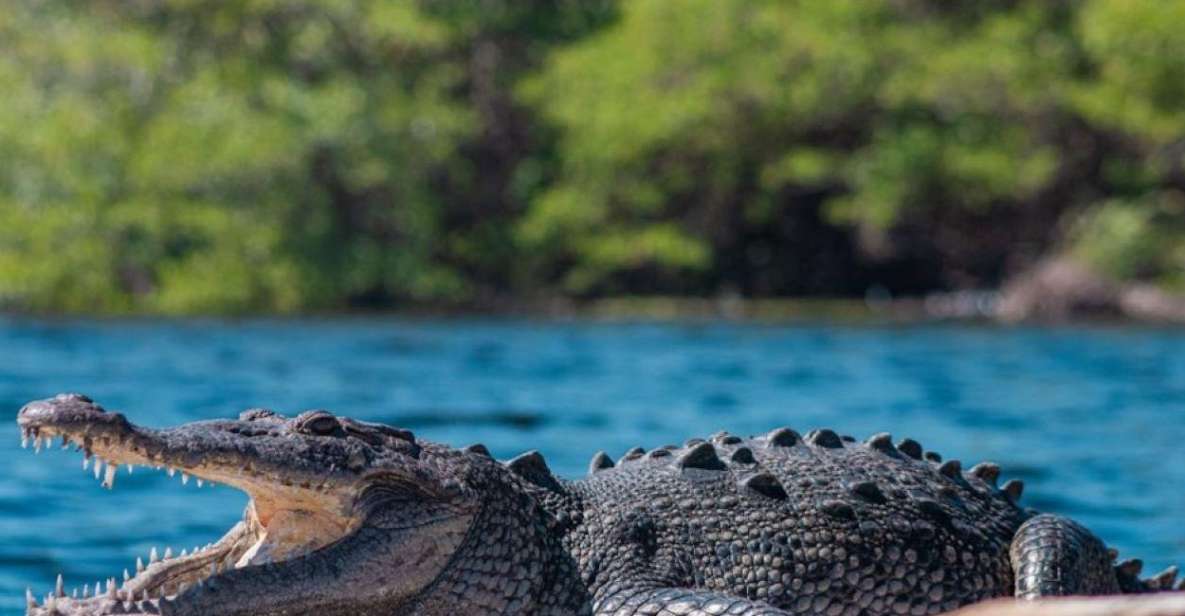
[(192, 156)]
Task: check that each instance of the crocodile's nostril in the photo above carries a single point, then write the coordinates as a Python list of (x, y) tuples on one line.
[(257, 414)]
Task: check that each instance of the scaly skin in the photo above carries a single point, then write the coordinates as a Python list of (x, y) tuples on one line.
[(348, 517)]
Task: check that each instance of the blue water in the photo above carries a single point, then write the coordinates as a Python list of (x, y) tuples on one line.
[(1092, 419)]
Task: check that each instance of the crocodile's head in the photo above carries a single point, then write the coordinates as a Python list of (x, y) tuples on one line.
[(340, 511)]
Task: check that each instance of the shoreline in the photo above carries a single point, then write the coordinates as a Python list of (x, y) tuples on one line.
[(961, 308)]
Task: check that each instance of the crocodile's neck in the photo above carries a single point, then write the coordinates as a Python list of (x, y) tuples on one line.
[(514, 558)]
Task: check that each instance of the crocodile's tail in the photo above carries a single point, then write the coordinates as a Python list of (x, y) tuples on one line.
[(1128, 573)]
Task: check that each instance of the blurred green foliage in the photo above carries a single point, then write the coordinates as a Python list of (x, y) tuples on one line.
[(190, 156)]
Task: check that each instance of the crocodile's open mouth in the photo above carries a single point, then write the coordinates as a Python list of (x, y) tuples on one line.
[(289, 515)]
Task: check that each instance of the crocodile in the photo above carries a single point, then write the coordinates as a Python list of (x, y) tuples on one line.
[(358, 518)]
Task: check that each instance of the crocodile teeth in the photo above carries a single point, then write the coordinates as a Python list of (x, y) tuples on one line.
[(109, 477), (59, 588), (184, 478), (98, 467), (152, 557)]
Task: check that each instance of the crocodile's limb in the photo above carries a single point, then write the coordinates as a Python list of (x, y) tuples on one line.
[(648, 601), (1055, 556)]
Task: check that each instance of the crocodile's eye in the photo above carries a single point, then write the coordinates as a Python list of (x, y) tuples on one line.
[(321, 423)]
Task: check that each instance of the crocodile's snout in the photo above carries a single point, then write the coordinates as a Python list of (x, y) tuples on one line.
[(314, 482), (69, 413)]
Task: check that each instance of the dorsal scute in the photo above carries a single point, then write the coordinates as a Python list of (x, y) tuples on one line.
[(599, 462), (824, 437), (910, 448), (742, 455), (533, 468), (782, 437), (702, 456), (765, 484), (478, 449), (1013, 489), (987, 472), (632, 454), (882, 442)]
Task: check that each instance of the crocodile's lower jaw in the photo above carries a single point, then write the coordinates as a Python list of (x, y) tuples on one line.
[(277, 525)]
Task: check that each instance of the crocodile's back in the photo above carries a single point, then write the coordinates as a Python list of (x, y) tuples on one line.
[(820, 524)]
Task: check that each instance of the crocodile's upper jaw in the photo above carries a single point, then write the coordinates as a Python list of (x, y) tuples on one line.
[(303, 494)]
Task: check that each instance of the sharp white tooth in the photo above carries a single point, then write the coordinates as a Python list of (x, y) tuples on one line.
[(184, 552), (184, 478), (110, 586), (30, 602), (131, 467), (59, 588), (126, 577), (152, 555), (139, 566), (25, 445), (109, 478), (50, 604), (199, 482), (86, 590), (36, 444), (74, 594), (172, 471), (98, 467), (168, 553), (86, 463)]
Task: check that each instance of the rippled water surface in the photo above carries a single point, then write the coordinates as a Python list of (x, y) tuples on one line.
[(1092, 419)]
